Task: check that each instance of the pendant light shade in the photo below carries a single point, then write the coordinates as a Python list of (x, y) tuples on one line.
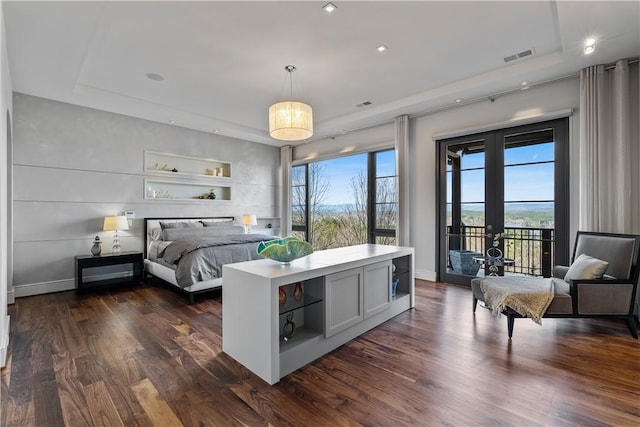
[(290, 120)]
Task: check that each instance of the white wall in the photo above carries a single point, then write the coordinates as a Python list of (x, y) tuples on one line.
[(74, 165), (5, 185)]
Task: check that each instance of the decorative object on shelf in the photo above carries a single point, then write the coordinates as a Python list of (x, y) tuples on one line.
[(297, 291), (164, 168), (96, 248), (495, 258), (115, 224), (394, 286), (209, 172), (163, 194), (211, 195), (462, 262), (282, 296), (289, 327), (248, 220), (284, 250), (290, 120)]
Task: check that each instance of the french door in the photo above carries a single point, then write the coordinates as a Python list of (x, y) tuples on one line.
[(513, 183)]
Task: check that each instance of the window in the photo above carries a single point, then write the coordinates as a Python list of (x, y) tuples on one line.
[(345, 201), (511, 181), (299, 217)]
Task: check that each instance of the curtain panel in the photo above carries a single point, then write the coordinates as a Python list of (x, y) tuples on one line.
[(402, 183), (285, 190), (609, 148)]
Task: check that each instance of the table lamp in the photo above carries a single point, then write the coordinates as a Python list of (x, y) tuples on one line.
[(248, 220), (115, 223)]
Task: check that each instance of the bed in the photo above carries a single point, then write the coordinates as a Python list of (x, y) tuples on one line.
[(188, 253)]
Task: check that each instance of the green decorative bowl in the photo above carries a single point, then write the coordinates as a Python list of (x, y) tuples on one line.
[(284, 250)]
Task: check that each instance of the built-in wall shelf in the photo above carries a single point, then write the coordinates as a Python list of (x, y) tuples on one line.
[(267, 225), (178, 177), (159, 189), (176, 165)]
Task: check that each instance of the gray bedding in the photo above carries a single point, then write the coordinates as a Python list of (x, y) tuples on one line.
[(202, 259)]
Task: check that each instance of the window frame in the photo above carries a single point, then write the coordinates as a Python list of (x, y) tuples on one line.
[(373, 232)]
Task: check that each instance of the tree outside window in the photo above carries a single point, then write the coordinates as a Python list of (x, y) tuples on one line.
[(345, 201)]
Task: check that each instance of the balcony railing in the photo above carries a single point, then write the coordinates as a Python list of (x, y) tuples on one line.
[(531, 248)]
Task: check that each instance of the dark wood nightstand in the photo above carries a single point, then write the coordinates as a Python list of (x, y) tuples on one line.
[(84, 262)]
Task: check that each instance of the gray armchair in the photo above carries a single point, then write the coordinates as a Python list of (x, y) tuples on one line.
[(611, 295)]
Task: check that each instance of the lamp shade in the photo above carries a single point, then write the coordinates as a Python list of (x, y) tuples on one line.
[(248, 219), (115, 223), (290, 121)]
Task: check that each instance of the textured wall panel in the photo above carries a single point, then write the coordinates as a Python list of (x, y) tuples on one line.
[(73, 166)]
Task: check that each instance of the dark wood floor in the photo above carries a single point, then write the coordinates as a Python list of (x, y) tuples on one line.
[(142, 357)]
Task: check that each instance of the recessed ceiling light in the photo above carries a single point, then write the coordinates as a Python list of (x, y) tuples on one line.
[(589, 45), (216, 131), (459, 100), (172, 121), (381, 48), (329, 7), (524, 83), (155, 76)]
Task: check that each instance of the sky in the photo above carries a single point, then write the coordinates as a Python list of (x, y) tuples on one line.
[(522, 182), (340, 171)]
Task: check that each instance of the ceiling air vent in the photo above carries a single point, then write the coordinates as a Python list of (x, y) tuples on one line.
[(364, 104), (519, 55)]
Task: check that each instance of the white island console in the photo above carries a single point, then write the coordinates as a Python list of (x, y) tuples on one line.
[(332, 296)]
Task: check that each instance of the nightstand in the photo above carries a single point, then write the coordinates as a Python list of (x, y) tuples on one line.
[(129, 277)]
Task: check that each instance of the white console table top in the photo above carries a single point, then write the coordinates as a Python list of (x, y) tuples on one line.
[(320, 262)]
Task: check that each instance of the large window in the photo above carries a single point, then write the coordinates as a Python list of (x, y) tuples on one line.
[(345, 201)]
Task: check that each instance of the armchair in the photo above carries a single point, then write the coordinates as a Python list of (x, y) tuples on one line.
[(585, 292)]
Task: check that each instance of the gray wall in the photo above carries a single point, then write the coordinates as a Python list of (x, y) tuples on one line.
[(72, 166), (6, 108)]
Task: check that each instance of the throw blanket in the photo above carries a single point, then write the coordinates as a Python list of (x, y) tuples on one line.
[(527, 296), (202, 259)]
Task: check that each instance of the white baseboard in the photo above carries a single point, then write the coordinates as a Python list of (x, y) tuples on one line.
[(11, 296), (4, 341), (30, 289), (426, 275)]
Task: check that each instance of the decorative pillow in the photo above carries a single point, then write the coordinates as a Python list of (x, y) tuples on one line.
[(180, 224), (586, 267), (190, 233), (225, 223), (155, 234)]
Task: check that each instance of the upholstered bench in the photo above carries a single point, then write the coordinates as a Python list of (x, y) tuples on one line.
[(602, 281)]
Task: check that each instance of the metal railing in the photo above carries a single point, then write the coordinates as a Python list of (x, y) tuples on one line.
[(531, 248)]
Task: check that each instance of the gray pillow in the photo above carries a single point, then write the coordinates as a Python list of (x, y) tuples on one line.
[(180, 224), (586, 267), (225, 223), (190, 233)]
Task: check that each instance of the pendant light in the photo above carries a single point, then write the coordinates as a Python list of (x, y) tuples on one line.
[(290, 120)]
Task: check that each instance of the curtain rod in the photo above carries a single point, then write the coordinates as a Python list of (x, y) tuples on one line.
[(613, 65)]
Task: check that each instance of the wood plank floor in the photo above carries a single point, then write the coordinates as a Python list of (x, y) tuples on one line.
[(143, 357)]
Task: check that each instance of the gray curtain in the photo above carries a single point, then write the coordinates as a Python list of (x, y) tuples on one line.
[(285, 190), (609, 149), (402, 185)]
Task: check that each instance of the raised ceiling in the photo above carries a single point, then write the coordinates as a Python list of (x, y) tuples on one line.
[(223, 62)]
